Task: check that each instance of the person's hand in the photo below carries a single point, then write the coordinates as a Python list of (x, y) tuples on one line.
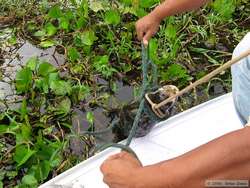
[(146, 27), (119, 171)]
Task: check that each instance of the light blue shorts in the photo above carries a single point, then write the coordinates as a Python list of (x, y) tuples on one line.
[(241, 80)]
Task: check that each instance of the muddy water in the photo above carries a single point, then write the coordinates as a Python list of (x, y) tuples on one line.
[(21, 55), (123, 95), (17, 59), (101, 121)]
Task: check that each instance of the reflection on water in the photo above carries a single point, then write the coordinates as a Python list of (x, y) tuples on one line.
[(20, 57)]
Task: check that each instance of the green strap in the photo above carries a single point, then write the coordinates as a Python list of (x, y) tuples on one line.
[(146, 64)]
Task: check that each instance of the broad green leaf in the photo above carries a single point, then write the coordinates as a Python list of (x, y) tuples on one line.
[(32, 63), (101, 64), (112, 17), (2, 174), (96, 5), (26, 132), (73, 54), (50, 29), (45, 68), (23, 80), (47, 43), (29, 180), (53, 77), (64, 106), (23, 109), (171, 32), (64, 23), (55, 12), (85, 38), (11, 129), (225, 8), (81, 23), (148, 3), (60, 87), (153, 51), (24, 135), (42, 85), (1, 184), (174, 72), (80, 92), (11, 174), (127, 2), (41, 171), (22, 154), (40, 33), (12, 40), (90, 117)]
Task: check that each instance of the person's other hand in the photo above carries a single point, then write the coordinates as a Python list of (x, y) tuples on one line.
[(146, 27), (119, 171)]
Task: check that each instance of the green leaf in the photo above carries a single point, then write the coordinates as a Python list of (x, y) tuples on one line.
[(73, 54), (29, 180), (60, 87), (101, 64), (80, 92), (40, 33), (32, 63), (1, 184), (171, 32), (26, 132), (50, 29), (64, 23), (47, 43), (12, 40), (42, 85), (112, 17), (53, 77), (175, 72), (81, 23), (85, 38), (45, 68), (64, 106), (11, 129), (148, 3), (23, 80), (90, 117), (127, 2), (96, 5), (23, 110), (225, 8), (11, 174), (22, 154), (55, 12), (153, 51), (41, 171)]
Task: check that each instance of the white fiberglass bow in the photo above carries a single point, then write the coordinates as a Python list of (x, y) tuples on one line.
[(167, 139)]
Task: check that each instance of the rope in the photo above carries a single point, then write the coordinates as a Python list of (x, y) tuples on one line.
[(146, 65)]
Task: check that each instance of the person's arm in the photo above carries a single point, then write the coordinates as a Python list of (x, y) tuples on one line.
[(225, 158), (147, 26)]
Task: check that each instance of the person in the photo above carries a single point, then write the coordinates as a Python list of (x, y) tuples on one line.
[(227, 157)]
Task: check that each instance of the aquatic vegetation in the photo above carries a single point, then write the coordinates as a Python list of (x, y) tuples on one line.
[(88, 54)]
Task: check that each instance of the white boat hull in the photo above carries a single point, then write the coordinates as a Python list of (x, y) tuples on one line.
[(168, 139)]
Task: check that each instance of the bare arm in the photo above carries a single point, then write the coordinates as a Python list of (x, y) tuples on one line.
[(172, 7), (225, 158), (147, 26)]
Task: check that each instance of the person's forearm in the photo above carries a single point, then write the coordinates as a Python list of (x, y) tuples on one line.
[(172, 7), (225, 158)]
